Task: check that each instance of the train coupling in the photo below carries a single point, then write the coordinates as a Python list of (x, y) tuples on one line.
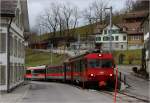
[(102, 83)]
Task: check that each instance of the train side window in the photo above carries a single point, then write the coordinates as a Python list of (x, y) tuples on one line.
[(79, 66), (39, 71), (83, 65)]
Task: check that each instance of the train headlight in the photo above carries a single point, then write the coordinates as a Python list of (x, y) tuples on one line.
[(110, 75), (91, 75), (100, 55)]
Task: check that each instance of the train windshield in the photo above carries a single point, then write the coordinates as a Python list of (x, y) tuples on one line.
[(39, 71), (28, 71), (100, 63)]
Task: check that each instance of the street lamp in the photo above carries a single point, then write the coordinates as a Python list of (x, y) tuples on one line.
[(10, 17), (110, 29)]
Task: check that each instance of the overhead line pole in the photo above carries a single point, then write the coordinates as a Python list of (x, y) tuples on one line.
[(110, 30)]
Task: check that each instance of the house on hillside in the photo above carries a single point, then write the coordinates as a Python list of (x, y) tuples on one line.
[(145, 28), (136, 16), (14, 25), (134, 34), (132, 26), (118, 38)]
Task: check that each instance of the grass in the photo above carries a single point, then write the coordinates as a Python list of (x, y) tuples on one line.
[(34, 58), (133, 56)]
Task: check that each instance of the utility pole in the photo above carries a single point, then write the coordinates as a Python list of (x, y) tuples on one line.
[(78, 44), (110, 30), (51, 54)]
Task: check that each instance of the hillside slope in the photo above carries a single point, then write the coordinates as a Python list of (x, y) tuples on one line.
[(34, 58)]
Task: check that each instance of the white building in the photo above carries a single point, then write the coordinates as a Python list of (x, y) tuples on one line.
[(14, 24), (118, 39)]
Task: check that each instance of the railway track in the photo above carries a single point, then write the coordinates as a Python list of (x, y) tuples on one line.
[(120, 95)]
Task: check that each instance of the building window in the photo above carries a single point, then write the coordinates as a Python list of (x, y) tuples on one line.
[(116, 38), (121, 46), (112, 38), (124, 38), (114, 31), (124, 29), (2, 43), (117, 45), (11, 45), (11, 73), (98, 38), (2, 75), (15, 47), (105, 38), (105, 31)]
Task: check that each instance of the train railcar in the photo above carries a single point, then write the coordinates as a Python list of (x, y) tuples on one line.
[(35, 73), (55, 73), (45, 73), (91, 68)]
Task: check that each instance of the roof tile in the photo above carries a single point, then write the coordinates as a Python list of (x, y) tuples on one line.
[(8, 6)]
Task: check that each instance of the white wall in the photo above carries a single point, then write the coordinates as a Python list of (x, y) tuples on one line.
[(18, 69)]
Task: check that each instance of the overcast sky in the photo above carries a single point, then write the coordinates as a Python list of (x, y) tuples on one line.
[(35, 7)]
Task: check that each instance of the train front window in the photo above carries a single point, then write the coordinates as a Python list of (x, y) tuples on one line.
[(39, 71), (100, 63), (28, 71)]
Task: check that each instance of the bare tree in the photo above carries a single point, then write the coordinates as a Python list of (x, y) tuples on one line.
[(88, 16), (60, 22), (52, 17), (95, 13), (42, 22), (67, 12), (75, 18), (60, 18), (98, 9), (129, 5)]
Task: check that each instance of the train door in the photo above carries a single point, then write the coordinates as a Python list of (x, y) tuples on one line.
[(83, 72), (65, 70), (72, 70)]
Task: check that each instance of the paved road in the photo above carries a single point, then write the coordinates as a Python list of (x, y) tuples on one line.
[(139, 87), (40, 92)]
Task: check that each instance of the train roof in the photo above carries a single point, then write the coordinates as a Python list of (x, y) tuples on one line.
[(54, 66), (93, 56), (37, 67), (99, 56)]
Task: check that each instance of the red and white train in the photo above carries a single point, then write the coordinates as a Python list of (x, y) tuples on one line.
[(90, 68)]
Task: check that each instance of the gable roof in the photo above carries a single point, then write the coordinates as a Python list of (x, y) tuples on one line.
[(113, 25), (8, 7), (136, 14), (131, 28)]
